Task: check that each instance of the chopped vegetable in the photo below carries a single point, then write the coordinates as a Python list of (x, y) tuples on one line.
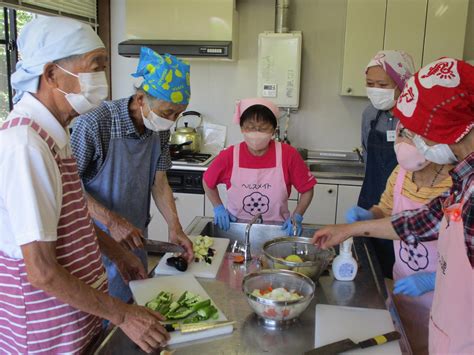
[(238, 259), (202, 249), (161, 303), (277, 294), (178, 262), (188, 307)]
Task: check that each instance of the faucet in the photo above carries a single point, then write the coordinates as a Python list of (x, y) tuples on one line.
[(358, 150), (256, 219)]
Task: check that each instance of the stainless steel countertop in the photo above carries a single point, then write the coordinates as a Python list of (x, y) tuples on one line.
[(250, 336)]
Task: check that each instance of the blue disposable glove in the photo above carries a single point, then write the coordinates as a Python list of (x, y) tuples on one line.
[(288, 226), (416, 284), (222, 217), (356, 213)]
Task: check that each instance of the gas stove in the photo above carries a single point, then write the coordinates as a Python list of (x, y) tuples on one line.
[(193, 159), (188, 169)]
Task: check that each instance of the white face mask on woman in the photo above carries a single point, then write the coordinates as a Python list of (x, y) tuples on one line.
[(154, 122), (257, 140), (94, 90), (440, 153), (382, 99)]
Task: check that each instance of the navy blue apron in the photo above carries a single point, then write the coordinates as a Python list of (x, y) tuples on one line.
[(381, 160), (123, 185)]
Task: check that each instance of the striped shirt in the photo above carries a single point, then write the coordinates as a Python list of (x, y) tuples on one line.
[(92, 132), (423, 224)]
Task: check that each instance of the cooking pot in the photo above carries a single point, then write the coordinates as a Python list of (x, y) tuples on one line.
[(187, 134)]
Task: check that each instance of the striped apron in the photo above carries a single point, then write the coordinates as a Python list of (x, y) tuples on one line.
[(32, 321)]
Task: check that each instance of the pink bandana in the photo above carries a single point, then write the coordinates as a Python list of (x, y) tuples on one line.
[(242, 105), (397, 64)]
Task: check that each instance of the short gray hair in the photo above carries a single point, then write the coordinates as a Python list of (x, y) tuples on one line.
[(67, 60), (151, 99)]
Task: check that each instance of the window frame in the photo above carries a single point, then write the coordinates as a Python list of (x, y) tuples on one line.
[(9, 25)]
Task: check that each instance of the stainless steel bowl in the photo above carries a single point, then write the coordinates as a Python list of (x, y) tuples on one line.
[(277, 313), (315, 260)]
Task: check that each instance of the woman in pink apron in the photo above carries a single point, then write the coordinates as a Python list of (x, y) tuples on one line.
[(437, 105), (411, 185), (259, 172)]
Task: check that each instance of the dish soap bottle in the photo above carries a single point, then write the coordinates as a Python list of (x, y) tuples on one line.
[(344, 266)]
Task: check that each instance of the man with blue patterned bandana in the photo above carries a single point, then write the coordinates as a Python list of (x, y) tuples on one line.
[(122, 155)]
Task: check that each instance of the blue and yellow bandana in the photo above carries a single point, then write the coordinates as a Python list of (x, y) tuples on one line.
[(164, 76)]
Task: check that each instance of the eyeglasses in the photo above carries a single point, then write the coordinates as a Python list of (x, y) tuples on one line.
[(252, 128), (405, 133)]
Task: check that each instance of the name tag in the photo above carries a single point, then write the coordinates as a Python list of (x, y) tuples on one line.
[(391, 135)]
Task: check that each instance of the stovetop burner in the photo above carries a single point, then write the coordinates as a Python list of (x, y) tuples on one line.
[(192, 158)]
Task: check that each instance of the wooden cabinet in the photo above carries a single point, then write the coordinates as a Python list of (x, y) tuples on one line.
[(365, 24), (188, 207), (426, 29), (323, 207), (445, 29), (347, 197), (407, 34)]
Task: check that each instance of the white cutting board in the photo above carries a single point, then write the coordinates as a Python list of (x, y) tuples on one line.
[(201, 269), (145, 290), (334, 323)]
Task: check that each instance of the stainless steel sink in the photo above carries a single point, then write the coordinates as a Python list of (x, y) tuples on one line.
[(259, 234), (337, 170)]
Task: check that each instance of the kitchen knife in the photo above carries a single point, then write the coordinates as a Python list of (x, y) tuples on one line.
[(347, 344), (196, 327), (156, 246)]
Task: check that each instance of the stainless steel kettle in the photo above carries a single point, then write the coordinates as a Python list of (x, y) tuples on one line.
[(187, 134)]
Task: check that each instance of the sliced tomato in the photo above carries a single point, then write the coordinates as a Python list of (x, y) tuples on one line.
[(271, 312)]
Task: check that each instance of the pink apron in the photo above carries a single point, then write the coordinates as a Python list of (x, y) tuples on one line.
[(414, 311), (452, 313), (254, 191), (32, 321)]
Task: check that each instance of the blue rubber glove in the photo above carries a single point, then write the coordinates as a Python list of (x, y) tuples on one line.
[(356, 213), (416, 284), (288, 226), (222, 217)]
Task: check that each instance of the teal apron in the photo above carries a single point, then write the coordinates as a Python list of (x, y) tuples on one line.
[(123, 185)]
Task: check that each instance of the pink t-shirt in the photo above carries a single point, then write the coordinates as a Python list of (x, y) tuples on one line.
[(295, 171)]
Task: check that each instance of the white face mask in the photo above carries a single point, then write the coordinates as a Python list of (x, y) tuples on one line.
[(94, 90), (154, 122), (257, 140), (440, 153), (382, 99)]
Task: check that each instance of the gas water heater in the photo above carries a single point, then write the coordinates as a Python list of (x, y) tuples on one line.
[(279, 68)]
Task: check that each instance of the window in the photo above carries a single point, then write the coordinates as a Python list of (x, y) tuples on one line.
[(11, 23)]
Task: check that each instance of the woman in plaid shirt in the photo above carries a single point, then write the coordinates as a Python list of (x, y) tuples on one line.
[(437, 105)]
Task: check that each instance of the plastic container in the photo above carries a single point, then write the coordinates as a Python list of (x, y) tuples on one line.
[(344, 266)]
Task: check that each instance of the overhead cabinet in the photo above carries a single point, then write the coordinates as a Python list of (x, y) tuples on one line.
[(426, 29)]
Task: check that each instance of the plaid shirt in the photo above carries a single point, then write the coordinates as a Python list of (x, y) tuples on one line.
[(423, 224), (90, 138)]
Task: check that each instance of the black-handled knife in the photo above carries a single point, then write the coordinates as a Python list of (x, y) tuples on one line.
[(347, 344)]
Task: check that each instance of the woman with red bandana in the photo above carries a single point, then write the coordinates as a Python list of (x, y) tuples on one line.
[(413, 183), (259, 172), (437, 106)]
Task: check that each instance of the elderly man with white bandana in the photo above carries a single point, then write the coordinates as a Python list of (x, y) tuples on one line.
[(53, 285)]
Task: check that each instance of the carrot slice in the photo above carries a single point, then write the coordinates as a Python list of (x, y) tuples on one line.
[(238, 259)]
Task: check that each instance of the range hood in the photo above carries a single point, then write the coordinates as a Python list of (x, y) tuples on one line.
[(204, 29)]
